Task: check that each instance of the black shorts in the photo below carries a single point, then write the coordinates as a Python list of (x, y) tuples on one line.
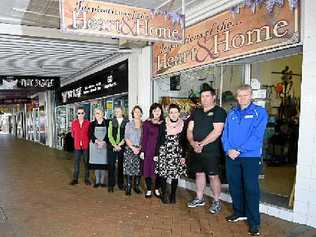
[(205, 162)]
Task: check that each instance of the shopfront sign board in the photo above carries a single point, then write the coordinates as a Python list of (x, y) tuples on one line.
[(120, 21), (228, 35), (28, 82), (110, 81)]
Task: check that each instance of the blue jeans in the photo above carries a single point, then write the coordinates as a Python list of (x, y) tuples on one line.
[(99, 176), (243, 179), (78, 154)]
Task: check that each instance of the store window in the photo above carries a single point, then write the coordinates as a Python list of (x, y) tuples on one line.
[(277, 85), (183, 89), (233, 77), (65, 114)]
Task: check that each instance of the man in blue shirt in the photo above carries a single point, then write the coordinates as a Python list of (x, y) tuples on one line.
[(242, 140)]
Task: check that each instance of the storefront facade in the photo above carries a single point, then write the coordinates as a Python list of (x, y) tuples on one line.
[(104, 89), (273, 62), (28, 118)]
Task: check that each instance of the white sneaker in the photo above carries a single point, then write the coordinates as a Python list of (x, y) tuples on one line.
[(148, 194), (157, 193)]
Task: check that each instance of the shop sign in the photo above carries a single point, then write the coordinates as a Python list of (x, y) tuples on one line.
[(229, 35), (30, 82), (110, 81), (120, 21)]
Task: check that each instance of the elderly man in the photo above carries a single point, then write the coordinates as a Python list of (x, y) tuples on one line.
[(242, 140)]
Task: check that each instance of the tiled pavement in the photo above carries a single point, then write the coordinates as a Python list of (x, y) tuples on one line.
[(37, 201)]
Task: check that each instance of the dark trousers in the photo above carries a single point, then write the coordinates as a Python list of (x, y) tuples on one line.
[(149, 182), (112, 157), (243, 179), (78, 154)]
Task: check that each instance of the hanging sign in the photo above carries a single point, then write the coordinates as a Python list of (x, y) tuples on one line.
[(120, 21), (30, 82), (236, 32)]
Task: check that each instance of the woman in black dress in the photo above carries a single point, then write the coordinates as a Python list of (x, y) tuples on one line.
[(170, 152)]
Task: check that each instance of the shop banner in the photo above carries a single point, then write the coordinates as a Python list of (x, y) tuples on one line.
[(29, 82), (110, 81), (120, 21), (242, 30)]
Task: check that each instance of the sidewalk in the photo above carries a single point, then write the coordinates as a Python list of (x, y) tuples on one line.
[(36, 200)]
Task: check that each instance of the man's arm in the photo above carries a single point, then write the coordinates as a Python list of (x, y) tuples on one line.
[(190, 133), (212, 136), (193, 143)]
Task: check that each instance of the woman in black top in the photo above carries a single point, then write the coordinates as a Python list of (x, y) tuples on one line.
[(98, 147)]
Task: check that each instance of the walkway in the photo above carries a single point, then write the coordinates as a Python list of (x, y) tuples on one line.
[(36, 200)]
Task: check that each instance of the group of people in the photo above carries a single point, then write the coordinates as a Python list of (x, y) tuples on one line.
[(155, 149)]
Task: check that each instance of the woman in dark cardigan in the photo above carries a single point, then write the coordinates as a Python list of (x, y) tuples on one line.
[(98, 147), (170, 153), (149, 141)]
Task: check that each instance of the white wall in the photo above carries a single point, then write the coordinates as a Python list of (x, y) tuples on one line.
[(140, 84), (305, 189)]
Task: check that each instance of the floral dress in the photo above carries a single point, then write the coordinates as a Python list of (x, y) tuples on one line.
[(169, 158), (132, 162)]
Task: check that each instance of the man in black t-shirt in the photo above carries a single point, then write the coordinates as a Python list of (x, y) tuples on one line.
[(204, 133)]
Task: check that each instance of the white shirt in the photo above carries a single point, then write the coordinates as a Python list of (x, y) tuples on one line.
[(120, 120)]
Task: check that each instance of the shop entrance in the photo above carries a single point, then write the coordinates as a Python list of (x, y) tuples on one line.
[(280, 80), (276, 81)]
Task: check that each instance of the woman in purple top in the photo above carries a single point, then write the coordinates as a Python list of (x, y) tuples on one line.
[(149, 141)]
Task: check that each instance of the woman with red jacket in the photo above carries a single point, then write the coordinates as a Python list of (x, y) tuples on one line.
[(80, 133)]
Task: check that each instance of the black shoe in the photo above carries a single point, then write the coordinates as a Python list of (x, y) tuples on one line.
[(96, 185), (234, 218), (74, 182), (164, 198), (110, 189), (87, 182), (174, 185), (172, 198), (254, 230), (128, 189), (121, 187), (137, 190), (103, 185), (137, 185)]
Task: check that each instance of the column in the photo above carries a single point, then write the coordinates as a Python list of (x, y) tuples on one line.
[(305, 189)]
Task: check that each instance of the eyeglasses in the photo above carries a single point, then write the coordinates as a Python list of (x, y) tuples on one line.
[(80, 113)]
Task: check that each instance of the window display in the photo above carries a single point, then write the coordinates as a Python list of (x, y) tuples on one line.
[(277, 84)]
